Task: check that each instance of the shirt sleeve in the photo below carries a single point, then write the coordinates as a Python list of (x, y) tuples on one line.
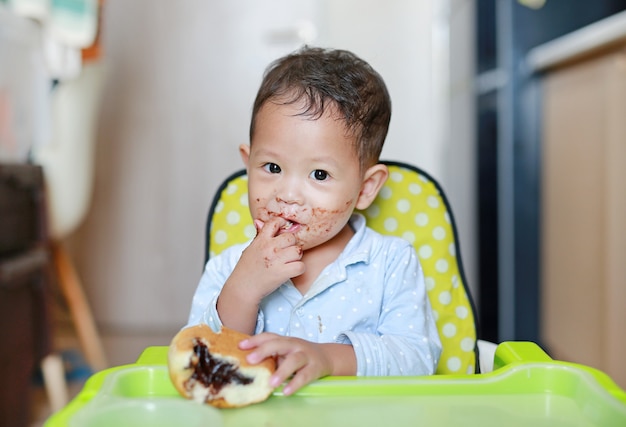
[(204, 301), (406, 341)]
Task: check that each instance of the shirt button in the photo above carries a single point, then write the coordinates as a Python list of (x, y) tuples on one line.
[(299, 311)]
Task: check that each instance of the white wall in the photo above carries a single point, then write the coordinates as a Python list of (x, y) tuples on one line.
[(458, 155), (395, 38), (181, 79)]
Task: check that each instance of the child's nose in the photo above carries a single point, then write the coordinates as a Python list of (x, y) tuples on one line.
[(290, 192)]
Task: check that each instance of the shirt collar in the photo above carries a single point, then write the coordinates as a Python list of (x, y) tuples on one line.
[(358, 250), (359, 247)]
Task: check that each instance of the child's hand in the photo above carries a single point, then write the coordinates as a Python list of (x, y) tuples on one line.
[(306, 361), (271, 259)]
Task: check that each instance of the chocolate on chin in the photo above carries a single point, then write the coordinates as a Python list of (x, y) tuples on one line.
[(209, 367)]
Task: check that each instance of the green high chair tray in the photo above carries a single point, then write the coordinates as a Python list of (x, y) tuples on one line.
[(526, 388)]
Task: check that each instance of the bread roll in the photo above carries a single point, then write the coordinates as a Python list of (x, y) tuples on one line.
[(209, 367)]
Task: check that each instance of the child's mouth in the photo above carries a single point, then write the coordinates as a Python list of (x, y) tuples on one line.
[(289, 227)]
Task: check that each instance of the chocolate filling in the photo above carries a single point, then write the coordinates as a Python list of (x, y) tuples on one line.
[(211, 372)]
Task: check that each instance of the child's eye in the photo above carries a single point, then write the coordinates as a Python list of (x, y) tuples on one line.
[(272, 167), (319, 175)]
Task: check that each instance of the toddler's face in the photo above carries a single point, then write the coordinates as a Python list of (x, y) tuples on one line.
[(304, 171)]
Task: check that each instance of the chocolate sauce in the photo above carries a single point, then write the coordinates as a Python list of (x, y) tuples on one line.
[(212, 372)]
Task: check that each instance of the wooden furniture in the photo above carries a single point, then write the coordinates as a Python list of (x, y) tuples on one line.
[(25, 276), (82, 317), (584, 196), (30, 264)]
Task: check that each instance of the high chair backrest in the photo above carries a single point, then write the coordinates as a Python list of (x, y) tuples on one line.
[(410, 205)]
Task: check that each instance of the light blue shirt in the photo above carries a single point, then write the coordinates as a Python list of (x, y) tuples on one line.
[(372, 297)]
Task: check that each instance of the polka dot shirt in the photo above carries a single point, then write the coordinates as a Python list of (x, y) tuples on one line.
[(372, 296)]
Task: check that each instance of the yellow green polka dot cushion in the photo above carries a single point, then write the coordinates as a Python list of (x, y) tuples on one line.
[(410, 205), (229, 220)]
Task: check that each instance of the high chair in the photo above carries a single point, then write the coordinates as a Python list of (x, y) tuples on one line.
[(525, 386), (411, 205)]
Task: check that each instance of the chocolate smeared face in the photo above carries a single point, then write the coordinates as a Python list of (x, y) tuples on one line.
[(211, 372), (304, 171)]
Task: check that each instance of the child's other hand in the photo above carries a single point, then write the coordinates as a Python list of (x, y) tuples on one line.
[(271, 259), (306, 361)]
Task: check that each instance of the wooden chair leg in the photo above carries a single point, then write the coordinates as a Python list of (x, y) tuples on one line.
[(79, 308), (54, 380)]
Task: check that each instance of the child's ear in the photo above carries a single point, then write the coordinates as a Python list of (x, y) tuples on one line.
[(373, 181), (244, 152)]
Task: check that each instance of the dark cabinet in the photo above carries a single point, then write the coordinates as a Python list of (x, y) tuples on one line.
[(24, 288)]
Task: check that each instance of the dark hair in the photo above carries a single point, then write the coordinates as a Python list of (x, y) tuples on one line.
[(323, 77)]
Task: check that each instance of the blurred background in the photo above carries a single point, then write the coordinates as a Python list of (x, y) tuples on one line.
[(503, 101)]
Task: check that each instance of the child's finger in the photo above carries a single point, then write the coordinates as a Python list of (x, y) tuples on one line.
[(256, 340), (297, 365), (271, 227), (258, 224), (265, 345), (296, 383)]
